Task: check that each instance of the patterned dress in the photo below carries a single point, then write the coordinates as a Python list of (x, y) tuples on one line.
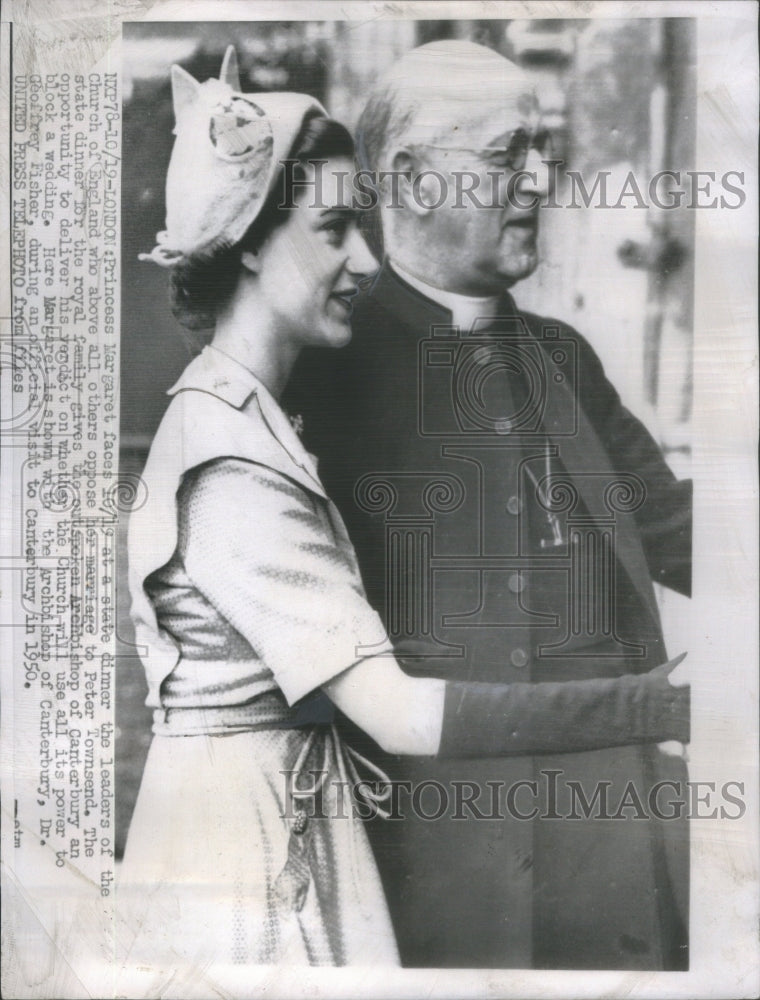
[(246, 599)]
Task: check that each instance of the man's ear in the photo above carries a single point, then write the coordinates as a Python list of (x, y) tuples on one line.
[(250, 261), (406, 188)]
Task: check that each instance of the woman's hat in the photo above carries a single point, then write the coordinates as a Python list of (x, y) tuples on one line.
[(225, 160)]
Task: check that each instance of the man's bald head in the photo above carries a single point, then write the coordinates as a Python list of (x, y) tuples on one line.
[(432, 91), (446, 115)]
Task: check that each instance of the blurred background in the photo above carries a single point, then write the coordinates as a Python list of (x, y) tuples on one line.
[(619, 96)]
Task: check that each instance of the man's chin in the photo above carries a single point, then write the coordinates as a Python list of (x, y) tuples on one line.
[(341, 336), (518, 267)]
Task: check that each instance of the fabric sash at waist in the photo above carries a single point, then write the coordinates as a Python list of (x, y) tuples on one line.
[(269, 711)]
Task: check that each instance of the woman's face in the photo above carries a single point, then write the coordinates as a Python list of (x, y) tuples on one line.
[(309, 267)]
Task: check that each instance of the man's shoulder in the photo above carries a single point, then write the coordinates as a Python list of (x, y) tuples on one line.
[(548, 328), (550, 332)]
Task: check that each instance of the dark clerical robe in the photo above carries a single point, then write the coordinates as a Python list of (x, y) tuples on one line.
[(509, 516)]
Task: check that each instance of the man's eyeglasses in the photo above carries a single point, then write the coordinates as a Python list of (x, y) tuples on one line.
[(514, 155)]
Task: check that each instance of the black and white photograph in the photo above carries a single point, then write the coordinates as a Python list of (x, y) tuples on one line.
[(379, 457)]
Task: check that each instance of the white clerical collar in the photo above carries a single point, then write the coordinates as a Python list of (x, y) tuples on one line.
[(465, 309)]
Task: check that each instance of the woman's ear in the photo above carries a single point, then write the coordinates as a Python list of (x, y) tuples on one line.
[(250, 261)]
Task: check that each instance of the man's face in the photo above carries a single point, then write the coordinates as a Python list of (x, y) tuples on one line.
[(482, 244)]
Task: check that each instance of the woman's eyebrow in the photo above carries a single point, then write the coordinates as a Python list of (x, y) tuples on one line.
[(349, 213)]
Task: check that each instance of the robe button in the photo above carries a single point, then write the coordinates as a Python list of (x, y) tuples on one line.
[(516, 583), (518, 657), (514, 506)]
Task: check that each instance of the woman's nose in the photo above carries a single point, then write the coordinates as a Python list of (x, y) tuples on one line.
[(361, 261)]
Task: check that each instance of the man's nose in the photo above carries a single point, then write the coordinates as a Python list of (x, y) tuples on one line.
[(361, 261), (536, 179)]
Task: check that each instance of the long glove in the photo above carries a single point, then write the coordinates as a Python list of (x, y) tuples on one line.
[(496, 720)]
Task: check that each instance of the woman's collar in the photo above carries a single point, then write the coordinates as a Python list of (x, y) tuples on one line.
[(219, 374)]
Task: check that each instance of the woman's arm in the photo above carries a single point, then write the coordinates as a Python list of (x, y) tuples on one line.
[(402, 714), (424, 716), (261, 552)]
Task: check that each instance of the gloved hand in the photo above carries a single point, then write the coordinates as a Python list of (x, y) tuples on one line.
[(678, 676), (491, 720)]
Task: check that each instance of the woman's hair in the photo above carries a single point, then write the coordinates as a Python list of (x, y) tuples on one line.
[(204, 282)]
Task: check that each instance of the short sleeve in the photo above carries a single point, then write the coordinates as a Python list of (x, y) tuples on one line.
[(262, 550)]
